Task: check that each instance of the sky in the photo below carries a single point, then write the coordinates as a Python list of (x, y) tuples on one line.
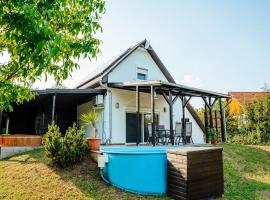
[(216, 45)]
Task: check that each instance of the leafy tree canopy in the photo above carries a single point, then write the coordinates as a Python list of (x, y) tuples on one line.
[(44, 37)]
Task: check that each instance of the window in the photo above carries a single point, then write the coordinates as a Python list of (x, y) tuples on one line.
[(142, 74)]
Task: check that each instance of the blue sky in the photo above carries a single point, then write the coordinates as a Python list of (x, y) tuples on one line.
[(216, 45)]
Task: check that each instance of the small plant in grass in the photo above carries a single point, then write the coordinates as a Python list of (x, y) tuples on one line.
[(65, 151)]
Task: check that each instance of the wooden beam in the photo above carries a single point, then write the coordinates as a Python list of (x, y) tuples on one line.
[(153, 115), (216, 124), (210, 113), (206, 123), (206, 103), (213, 104), (183, 121), (171, 117), (175, 99), (187, 100), (137, 115), (165, 97), (222, 124)]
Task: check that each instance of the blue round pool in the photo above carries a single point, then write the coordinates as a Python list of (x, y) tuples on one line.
[(141, 170)]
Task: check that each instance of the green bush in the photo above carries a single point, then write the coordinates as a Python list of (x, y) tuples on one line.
[(251, 138), (65, 151)]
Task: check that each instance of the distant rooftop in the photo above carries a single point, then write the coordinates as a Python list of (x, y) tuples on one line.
[(247, 97)]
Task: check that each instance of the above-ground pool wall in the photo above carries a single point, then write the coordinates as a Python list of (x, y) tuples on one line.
[(124, 101)]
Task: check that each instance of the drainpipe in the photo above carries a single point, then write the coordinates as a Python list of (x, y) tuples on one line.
[(108, 140)]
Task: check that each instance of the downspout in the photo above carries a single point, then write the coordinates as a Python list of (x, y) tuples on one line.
[(108, 140)]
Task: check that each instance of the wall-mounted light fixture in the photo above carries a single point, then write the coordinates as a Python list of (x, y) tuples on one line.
[(164, 109), (116, 105)]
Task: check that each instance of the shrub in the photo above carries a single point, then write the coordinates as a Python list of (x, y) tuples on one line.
[(65, 151), (52, 142)]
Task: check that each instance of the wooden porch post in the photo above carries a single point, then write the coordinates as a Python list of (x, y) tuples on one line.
[(210, 113), (206, 122), (153, 115), (216, 124), (137, 115), (171, 117), (183, 121), (222, 124), (53, 107)]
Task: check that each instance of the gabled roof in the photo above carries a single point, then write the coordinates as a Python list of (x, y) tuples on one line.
[(105, 70), (246, 97), (97, 77)]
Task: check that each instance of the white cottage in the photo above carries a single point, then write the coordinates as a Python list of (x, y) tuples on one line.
[(138, 99), (118, 121)]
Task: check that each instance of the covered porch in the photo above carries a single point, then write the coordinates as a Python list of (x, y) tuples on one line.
[(172, 93), (59, 105)]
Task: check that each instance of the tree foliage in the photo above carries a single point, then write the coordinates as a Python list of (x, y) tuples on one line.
[(252, 124), (44, 37)]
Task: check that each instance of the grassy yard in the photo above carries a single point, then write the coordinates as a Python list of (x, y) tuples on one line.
[(30, 176)]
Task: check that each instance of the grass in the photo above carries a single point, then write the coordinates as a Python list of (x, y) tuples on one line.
[(31, 176), (247, 172)]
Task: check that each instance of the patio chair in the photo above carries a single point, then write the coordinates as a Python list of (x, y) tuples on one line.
[(150, 137), (161, 135), (178, 133), (189, 132)]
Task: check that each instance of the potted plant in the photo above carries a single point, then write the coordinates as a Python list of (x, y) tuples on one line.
[(213, 136), (91, 118)]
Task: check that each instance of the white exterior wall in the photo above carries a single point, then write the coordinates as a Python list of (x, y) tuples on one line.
[(127, 71), (127, 103)]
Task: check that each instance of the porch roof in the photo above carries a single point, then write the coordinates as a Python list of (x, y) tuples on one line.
[(176, 89), (71, 91)]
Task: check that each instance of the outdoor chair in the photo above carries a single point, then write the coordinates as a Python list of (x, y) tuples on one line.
[(178, 133), (161, 135), (189, 132), (150, 137)]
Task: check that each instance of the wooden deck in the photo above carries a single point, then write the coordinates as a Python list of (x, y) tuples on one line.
[(195, 173), (10, 140)]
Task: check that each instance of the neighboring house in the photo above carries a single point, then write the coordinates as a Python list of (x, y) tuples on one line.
[(138, 63), (128, 91), (239, 99)]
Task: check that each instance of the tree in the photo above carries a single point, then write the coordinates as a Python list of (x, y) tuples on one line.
[(44, 38)]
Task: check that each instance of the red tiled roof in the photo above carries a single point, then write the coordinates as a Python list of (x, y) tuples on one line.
[(247, 97)]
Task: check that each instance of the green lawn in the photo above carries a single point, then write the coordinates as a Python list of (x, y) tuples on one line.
[(30, 176)]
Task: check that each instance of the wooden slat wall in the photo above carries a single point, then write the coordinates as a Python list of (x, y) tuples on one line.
[(195, 174), (16, 140)]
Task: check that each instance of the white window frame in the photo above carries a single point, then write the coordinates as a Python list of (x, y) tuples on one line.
[(142, 70)]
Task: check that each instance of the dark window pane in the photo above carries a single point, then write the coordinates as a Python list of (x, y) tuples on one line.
[(141, 76)]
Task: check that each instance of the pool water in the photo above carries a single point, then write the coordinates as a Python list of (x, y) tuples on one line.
[(140, 170)]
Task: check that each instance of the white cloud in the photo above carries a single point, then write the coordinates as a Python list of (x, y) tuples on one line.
[(189, 80)]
